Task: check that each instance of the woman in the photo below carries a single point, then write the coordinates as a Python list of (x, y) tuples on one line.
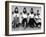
[(24, 21), (38, 19), (31, 18), (16, 18)]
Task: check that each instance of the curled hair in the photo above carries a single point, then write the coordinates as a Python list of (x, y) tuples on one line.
[(32, 11), (15, 10), (24, 11)]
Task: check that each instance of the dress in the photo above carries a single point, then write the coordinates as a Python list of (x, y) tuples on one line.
[(16, 20), (24, 20), (31, 20)]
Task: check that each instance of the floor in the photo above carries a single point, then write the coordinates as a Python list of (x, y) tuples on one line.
[(20, 28)]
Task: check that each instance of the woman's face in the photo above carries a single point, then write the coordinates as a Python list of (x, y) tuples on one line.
[(16, 9), (24, 10), (31, 9)]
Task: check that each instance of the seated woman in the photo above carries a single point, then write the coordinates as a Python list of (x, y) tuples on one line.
[(24, 21), (15, 18), (31, 19), (37, 19)]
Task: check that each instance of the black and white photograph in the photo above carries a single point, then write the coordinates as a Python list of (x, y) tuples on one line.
[(25, 18)]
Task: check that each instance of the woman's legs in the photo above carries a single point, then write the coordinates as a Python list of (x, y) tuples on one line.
[(32, 22), (24, 22)]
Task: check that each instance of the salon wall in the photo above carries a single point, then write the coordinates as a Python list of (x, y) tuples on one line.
[(2, 18)]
